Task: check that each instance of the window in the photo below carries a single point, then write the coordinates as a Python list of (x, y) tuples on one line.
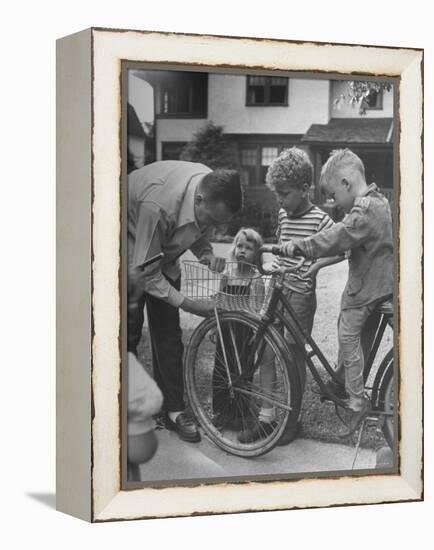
[(248, 157), (184, 94), (374, 100), (171, 150), (268, 155), (267, 90), (256, 158), (249, 162)]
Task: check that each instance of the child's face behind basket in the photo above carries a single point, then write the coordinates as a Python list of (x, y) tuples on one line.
[(244, 250)]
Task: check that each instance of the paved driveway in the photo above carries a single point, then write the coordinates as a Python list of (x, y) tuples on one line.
[(176, 459)]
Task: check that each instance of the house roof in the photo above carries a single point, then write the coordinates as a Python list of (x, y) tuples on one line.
[(134, 126), (351, 130)]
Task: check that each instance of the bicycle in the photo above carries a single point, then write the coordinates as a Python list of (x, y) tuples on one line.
[(253, 316)]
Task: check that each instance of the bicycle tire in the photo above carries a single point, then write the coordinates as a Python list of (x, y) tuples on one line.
[(383, 398), (199, 367)]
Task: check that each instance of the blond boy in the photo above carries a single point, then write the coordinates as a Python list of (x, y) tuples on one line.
[(366, 231)]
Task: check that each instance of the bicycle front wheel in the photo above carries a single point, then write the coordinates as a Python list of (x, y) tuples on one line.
[(243, 408)]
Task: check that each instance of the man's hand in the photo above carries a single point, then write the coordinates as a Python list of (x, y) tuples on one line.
[(214, 263), (203, 308)]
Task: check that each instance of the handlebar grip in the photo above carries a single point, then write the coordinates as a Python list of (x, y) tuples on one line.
[(270, 249), (277, 251), (273, 249)]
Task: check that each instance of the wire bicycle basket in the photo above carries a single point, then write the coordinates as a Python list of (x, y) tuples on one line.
[(238, 288)]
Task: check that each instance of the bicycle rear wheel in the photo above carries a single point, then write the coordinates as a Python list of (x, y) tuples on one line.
[(226, 397), (383, 396)]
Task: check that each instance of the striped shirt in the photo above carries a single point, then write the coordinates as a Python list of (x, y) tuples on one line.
[(298, 227)]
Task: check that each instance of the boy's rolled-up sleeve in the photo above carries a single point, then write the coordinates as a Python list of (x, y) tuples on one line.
[(150, 231), (351, 232)]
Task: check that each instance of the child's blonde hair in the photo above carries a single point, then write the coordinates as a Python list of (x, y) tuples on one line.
[(251, 236), (338, 159)]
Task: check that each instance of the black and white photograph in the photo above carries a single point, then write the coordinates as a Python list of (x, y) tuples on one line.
[(259, 257), (239, 325)]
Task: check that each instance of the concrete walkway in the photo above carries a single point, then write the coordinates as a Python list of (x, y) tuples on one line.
[(176, 459)]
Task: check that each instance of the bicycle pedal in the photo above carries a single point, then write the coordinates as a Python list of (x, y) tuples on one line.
[(322, 397)]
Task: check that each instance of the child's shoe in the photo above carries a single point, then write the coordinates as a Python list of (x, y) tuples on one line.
[(357, 417), (336, 388)]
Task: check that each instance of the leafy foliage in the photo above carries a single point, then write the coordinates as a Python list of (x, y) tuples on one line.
[(362, 93), (211, 147), (260, 215)]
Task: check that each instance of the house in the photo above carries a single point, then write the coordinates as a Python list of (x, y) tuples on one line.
[(136, 140), (264, 114)]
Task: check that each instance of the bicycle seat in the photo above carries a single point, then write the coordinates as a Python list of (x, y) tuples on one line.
[(386, 308)]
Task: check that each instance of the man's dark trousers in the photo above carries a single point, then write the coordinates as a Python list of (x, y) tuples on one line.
[(167, 347)]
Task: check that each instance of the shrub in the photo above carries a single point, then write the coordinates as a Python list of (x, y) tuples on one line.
[(211, 147), (259, 215)]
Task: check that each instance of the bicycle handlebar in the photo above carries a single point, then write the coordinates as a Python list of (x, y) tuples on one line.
[(276, 250)]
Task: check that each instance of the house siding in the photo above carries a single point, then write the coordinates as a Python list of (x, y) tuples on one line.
[(171, 129), (308, 100), (255, 127)]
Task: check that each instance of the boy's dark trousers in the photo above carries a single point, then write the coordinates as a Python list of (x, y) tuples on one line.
[(166, 341)]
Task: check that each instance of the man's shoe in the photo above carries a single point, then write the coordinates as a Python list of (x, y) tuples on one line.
[(289, 434), (185, 427), (356, 419), (259, 431)]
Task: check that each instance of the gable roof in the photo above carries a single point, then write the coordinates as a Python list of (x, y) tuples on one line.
[(134, 126), (351, 130)]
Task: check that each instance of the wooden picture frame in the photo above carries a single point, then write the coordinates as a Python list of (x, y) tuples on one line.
[(89, 342)]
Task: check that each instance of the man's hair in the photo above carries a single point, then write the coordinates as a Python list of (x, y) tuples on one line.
[(292, 168), (251, 235), (340, 159), (223, 185)]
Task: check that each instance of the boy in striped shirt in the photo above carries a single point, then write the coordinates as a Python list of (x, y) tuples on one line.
[(290, 177)]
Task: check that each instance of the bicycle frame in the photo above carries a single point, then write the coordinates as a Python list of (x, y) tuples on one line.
[(289, 320)]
